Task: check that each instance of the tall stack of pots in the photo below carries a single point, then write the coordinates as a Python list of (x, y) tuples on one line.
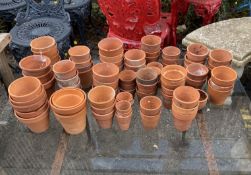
[(219, 57), (81, 56), (127, 81), (28, 98), (123, 114), (45, 45), (134, 59), (151, 45), (170, 55)]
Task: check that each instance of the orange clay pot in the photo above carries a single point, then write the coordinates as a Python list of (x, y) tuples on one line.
[(150, 122), (101, 96), (64, 69), (186, 97), (187, 61), (170, 62), (79, 54), (127, 86), (172, 85), (102, 111), (178, 68), (135, 57), (146, 76), (86, 79), (142, 94), (110, 47), (130, 91), (114, 84), (197, 71), (104, 120), (171, 53), (167, 91), (69, 82), (220, 88), (46, 77), (127, 96), (83, 64), (124, 121), (220, 57), (184, 114), (223, 76), (150, 43), (152, 54), (151, 59), (123, 107), (105, 72), (197, 52), (43, 44), (150, 105), (155, 65), (134, 68), (152, 88), (203, 99), (38, 124), (182, 125), (115, 59), (33, 114), (24, 89), (195, 83)]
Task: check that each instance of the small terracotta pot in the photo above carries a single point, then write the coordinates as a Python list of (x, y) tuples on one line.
[(79, 54), (184, 114), (171, 53), (103, 110), (69, 82), (33, 114), (223, 76), (172, 77), (64, 69), (181, 71), (150, 43), (152, 59), (182, 125), (84, 64), (127, 96), (167, 91), (123, 107), (38, 124), (150, 122), (220, 88), (105, 72), (197, 52), (24, 89), (156, 65), (124, 121), (114, 84), (119, 64), (152, 54), (127, 86), (142, 94), (115, 59), (186, 97), (86, 79), (195, 83), (135, 57), (150, 88), (42, 44), (101, 96), (150, 105), (110, 47), (104, 120), (170, 62), (203, 99), (134, 68), (217, 97), (127, 77), (220, 57), (172, 84), (146, 76), (187, 61), (197, 71)]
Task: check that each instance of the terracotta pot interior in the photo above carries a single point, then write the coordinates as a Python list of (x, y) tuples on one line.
[(173, 75), (101, 94), (147, 74), (186, 94), (203, 95), (221, 55), (197, 69), (171, 51), (150, 103), (35, 62), (124, 96), (78, 51), (135, 54), (123, 105), (105, 69), (110, 44), (198, 49), (151, 40), (224, 74), (42, 42), (63, 66)]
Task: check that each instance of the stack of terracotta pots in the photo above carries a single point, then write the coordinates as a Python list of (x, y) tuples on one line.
[(123, 114), (170, 55), (102, 99), (196, 53), (106, 74), (69, 108), (184, 107), (196, 75), (203, 99), (81, 56), (39, 66), (66, 74), (127, 96), (127, 81), (146, 80), (150, 110), (134, 59), (29, 101), (219, 57), (157, 67), (172, 76), (45, 45), (111, 51), (221, 84), (151, 45)]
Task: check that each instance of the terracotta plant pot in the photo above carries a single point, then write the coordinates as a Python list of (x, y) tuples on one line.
[(84, 68), (172, 79), (114, 84), (151, 59), (103, 110), (118, 63), (152, 54), (171, 52), (150, 122), (197, 52), (127, 76), (130, 91), (184, 114), (220, 88), (104, 120), (142, 94), (24, 88), (115, 59), (33, 114), (167, 91), (79, 54), (127, 96), (150, 105), (46, 77), (146, 76), (151, 88), (127, 86), (182, 125), (38, 124), (156, 65), (69, 82), (42, 44), (223, 76), (123, 107), (150, 43), (135, 57), (170, 62), (86, 79), (187, 61), (197, 71), (186, 97), (105, 72), (84, 64), (203, 99), (110, 47), (124, 121), (134, 68), (177, 68), (102, 96), (64, 69), (220, 57), (195, 83)]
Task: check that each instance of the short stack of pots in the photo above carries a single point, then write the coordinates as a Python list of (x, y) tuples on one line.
[(184, 107), (135, 59), (111, 51), (29, 101), (81, 56), (39, 66), (123, 114), (150, 111), (172, 76), (102, 99), (219, 57), (146, 80), (106, 74), (151, 45), (127, 81), (157, 67), (170, 55), (69, 108), (196, 53), (66, 74), (45, 45), (127, 96), (196, 75), (221, 84)]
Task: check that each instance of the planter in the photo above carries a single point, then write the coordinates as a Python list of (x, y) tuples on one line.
[(150, 105), (152, 59), (220, 88), (220, 57), (46, 77), (79, 54), (69, 82), (155, 65), (197, 71), (223, 76), (142, 94), (171, 53), (103, 110), (64, 69), (182, 125), (181, 71), (134, 68), (187, 61), (203, 99), (186, 97), (150, 43), (105, 120), (135, 57), (184, 114), (152, 88), (84, 64), (150, 122), (114, 84), (127, 86), (115, 59), (197, 52), (170, 62), (195, 83), (86, 79), (152, 54), (146, 76), (105, 72), (123, 107), (110, 47), (127, 76), (167, 91), (119, 63), (172, 85), (130, 91), (43, 44), (33, 114), (127, 96), (124, 121)]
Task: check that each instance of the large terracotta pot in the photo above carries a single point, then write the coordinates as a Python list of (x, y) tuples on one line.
[(105, 72), (64, 69), (220, 57), (223, 76), (135, 57)]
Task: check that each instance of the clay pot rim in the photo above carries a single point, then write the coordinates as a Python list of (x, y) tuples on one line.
[(47, 84), (190, 45), (82, 47), (171, 47), (204, 93), (42, 37), (134, 67), (173, 67), (102, 86), (73, 66), (102, 115), (118, 63), (155, 64), (221, 91), (112, 106), (111, 39), (125, 102), (40, 110), (155, 37), (224, 50), (197, 64), (47, 61), (80, 63), (174, 79), (139, 51), (109, 57), (151, 97), (185, 102), (146, 85), (128, 94), (111, 65), (71, 115), (67, 80), (125, 72), (190, 61), (224, 67), (223, 88), (196, 81), (26, 95), (184, 109), (150, 116), (141, 71), (107, 84), (123, 116), (153, 53), (44, 75)]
